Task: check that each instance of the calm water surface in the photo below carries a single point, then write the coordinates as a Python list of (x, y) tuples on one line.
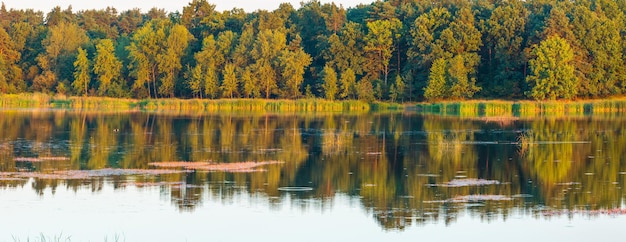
[(305, 177)]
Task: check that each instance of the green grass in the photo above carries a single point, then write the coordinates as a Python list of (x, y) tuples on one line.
[(38, 100)]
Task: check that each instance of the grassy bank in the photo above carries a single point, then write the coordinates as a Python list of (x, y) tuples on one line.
[(494, 108), (36, 100)]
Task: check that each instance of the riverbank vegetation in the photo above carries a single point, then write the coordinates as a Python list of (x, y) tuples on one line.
[(390, 50), (39, 100), (494, 108)]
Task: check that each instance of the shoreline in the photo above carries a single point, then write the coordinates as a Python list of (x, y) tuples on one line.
[(466, 108), (39, 100), (523, 108)]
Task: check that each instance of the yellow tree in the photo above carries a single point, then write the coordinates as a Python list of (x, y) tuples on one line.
[(106, 66), (169, 61), (380, 46), (82, 73), (552, 73)]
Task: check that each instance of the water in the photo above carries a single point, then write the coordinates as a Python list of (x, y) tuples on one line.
[(324, 177)]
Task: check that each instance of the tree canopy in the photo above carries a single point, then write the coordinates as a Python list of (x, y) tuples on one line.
[(386, 50)]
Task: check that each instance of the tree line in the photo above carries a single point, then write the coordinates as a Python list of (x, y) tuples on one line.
[(396, 50)]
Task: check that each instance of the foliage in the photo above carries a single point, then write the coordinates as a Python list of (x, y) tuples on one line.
[(82, 75), (106, 65), (552, 73), (489, 50)]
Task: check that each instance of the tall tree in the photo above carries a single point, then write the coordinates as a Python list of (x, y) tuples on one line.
[(267, 47), (380, 46), (294, 62), (106, 65), (169, 61), (552, 73), (503, 65), (10, 72), (330, 83), (144, 52), (230, 84), (61, 44), (348, 84), (206, 67), (201, 18), (82, 73), (436, 88)]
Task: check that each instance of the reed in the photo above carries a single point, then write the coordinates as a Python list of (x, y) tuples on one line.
[(496, 108), (25, 100), (38, 100)]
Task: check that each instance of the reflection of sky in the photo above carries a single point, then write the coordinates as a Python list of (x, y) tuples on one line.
[(146, 215)]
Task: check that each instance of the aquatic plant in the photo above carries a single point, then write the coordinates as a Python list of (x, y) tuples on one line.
[(249, 166)]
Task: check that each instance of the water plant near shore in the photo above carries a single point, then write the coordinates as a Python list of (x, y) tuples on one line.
[(38, 100), (491, 108)]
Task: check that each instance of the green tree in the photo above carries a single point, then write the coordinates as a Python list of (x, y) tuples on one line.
[(598, 49), (329, 86), (169, 62), (9, 70), (348, 84), (504, 64), (206, 67), (552, 73), (144, 51), (106, 65), (462, 85), (380, 46), (250, 88), (267, 48), (365, 90), (201, 18), (196, 80), (61, 43), (294, 62), (397, 90), (437, 87), (230, 84), (82, 73)]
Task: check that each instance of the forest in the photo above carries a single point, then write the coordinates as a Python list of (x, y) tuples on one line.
[(394, 50)]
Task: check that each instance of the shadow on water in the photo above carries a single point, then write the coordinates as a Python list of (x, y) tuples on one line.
[(405, 169)]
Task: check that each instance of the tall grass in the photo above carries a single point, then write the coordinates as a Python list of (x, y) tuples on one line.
[(497, 108), (190, 105), (25, 100)]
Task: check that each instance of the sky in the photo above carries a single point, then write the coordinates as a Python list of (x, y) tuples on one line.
[(169, 5)]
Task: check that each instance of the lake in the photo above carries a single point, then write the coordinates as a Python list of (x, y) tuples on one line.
[(136, 176)]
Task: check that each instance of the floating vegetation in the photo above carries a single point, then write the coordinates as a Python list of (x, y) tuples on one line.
[(86, 174), (467, 182), (473, 198), (248, 166), (610, 212), (295, 189), (428, 175), (11, 179), (480, 198), (568, 183), (40, 159), (151, 184), (522, 196)]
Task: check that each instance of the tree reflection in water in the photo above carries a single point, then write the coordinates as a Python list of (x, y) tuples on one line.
[(397, 164)]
